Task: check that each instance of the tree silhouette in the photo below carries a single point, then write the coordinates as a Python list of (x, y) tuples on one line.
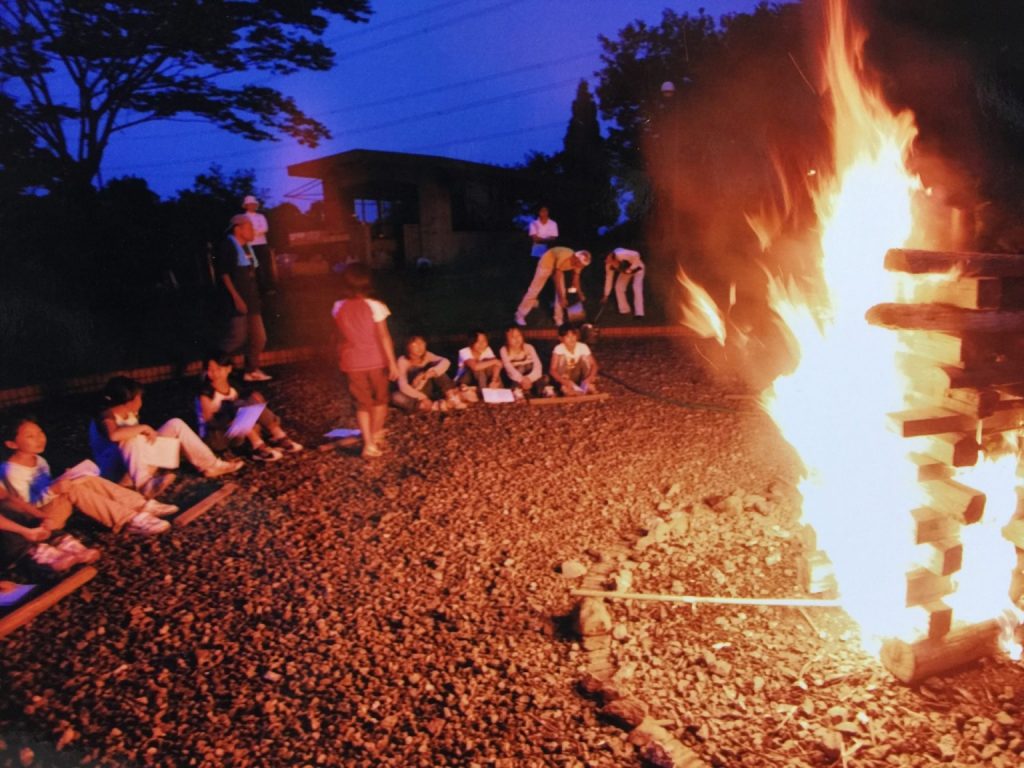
[(80, 71)]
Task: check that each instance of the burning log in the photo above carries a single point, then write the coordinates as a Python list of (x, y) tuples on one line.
[(964, 264), (953, 450), (962, 503), (923, 587), (929, 526), (943, 557), (913, 662), (948, 349), (966, 293), (930, 469), (939, 317), (930, 421)]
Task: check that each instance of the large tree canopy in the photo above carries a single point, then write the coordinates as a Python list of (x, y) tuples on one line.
[(79, 71)]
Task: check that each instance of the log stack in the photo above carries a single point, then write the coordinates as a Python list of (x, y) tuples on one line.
[(963, 332)]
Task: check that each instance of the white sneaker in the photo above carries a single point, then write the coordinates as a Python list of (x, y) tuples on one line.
[(159, 509), (82, 554), (221, 467), (520, 320), (145, 524), (50, 557), (256, 375)]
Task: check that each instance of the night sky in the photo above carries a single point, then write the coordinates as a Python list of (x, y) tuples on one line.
[(481, 80)]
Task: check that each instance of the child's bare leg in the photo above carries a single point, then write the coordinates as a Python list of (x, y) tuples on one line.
[(379, 415), (366, 427)]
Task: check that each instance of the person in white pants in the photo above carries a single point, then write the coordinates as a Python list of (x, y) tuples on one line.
[(622, 266)]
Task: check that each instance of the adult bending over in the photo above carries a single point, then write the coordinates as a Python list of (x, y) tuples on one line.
[(555, 261)]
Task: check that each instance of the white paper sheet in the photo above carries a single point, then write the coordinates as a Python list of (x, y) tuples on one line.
[(245, 419), (163, 452), (498, 395)]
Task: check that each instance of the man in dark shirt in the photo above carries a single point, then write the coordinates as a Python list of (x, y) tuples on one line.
[(235, 265)]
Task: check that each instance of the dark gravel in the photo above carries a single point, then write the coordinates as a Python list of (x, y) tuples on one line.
[(411, 611)]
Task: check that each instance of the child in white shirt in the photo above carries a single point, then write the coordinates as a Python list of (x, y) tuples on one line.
[(522, 363), (573, 365), (478, 365)]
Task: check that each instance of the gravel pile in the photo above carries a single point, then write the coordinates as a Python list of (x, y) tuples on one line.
[(413, 611)]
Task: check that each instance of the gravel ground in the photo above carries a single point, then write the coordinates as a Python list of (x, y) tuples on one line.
[(411, 611)]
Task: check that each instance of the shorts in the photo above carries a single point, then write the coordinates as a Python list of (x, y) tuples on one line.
[(368, 388)]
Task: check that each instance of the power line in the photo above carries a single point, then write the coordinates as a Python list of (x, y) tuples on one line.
[(393, 99), (372, 28), (433, 114)]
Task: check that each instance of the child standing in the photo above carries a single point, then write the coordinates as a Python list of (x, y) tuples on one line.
[(478, 365), (119, 441), (423, 382), (216, 406), (31, 489), (366, 353), (522, 363), (573, 365)]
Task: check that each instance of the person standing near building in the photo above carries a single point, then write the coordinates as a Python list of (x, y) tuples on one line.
[(620, 267), (235, 266), (259, 244), (543, 233)]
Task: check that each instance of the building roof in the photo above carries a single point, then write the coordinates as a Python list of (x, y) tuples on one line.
[(392, 162)]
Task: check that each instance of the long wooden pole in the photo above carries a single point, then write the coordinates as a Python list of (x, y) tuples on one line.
[(709, 600)]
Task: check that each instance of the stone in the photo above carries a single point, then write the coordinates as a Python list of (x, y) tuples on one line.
[(573, 569), (625, 713), (593, 617)]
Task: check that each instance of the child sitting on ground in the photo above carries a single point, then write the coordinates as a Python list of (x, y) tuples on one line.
[(32, 490), (119, 441), (218, 402), (423, 383), (573, 365), (522, 363), (21, 536), (478, 365)]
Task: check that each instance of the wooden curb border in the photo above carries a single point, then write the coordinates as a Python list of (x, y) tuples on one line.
[(205, 505), (22, 615)]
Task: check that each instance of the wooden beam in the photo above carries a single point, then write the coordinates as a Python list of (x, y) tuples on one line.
[(930, 469), (916, 422), (963, 503), (964, 292), (205, 505), (960, 350), (1003, 420), (939, 317), (924, 587), (936, 618), (954, 450), (943, 558), (1013, 532), (966, 264), (780, 602), (572, 399), (913, 662), (929, 526), (23, 614), (817, 574)]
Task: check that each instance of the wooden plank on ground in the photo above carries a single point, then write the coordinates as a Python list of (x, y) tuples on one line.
[(573, 399), (916, 422), (913, 662), (966, 264), (23, 614), (205, 505)]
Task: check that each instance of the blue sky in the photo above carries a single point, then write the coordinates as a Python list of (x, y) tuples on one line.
[(481, 80)]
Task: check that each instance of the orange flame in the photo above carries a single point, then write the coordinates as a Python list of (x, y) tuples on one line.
[(860, 486), (700, 312)]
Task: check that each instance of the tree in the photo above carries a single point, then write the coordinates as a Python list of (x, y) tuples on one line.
[(80, 71), (585, 163)]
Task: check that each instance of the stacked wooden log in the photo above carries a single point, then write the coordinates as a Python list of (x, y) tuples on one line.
[(964, 336)]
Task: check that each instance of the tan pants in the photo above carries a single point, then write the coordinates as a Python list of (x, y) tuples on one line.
[(109, 504)]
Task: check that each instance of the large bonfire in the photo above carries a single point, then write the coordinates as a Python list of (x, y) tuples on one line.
[(860, 484)]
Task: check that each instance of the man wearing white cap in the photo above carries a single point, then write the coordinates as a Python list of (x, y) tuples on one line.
[(555, 261)]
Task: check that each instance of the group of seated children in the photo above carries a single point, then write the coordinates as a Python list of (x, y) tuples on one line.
[(118, 489), (423, 383)]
